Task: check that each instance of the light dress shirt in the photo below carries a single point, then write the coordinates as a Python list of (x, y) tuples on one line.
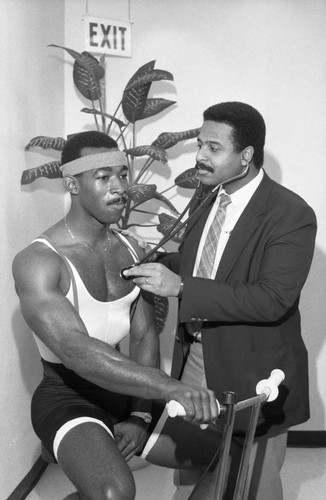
[(239, 201)]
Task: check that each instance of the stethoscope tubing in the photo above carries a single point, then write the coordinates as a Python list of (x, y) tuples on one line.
[(176, 227)]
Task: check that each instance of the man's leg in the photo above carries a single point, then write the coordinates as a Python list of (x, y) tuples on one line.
[(90, 458), (180, 445), (263, 482), (266, 462), (193, 374), (176, 443), (185, 480)]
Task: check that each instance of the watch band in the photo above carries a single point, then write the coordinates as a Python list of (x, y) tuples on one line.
[(146, 416)]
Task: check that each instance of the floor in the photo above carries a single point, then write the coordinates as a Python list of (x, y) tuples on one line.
[(304, 478)]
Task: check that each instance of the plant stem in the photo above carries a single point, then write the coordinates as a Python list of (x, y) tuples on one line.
[(144, 211), (95, 116), (114, 115), (144, 168), (167, 189), (141, 225), (102, 115)]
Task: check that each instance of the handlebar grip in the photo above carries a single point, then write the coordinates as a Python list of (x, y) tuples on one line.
[(175, 409), (270, 385)]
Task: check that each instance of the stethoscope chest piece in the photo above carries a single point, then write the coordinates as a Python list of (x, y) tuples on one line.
[(122, 275)]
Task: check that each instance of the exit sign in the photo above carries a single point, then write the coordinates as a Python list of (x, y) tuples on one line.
[(106, 36)]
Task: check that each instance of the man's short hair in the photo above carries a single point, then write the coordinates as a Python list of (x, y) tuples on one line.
[(90, 139), (247, 123)]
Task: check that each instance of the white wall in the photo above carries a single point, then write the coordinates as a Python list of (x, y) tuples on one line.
[(31, 103), (269, 54)]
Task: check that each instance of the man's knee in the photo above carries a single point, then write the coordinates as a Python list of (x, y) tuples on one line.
[(117, 490)]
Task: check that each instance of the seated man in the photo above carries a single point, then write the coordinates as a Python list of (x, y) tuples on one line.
[(92, 408)]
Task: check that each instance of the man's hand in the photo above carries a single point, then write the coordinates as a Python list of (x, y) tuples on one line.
[(199, 403), (130, 436), (155, 278)]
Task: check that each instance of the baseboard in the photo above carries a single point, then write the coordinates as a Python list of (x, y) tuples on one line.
[(308, 439)]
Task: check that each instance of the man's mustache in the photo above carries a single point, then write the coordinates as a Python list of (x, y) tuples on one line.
[(122, 199), (202, 166)]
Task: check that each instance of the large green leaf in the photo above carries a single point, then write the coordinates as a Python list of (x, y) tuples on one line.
[(139, 79), (187, 179), (86, 76), (143, 70), (98, 112), (155, 106), (134, 100), (50, 170), (158, 154), (44, 142), (168, 139), (86, 61), (139, 193), (87, 72), (165, 227)]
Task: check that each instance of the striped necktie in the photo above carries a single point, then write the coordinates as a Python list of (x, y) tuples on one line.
[(207, 259)]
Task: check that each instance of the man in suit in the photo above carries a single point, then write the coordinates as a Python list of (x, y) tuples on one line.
[(238, 302)]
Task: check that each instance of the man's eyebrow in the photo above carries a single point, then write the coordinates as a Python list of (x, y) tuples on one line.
[(102, 168), (209, 141), (110, 169)]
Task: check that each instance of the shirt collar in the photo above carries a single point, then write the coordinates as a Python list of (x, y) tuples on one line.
[(244, 194)]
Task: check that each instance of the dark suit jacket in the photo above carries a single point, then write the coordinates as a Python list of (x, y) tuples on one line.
[(250, 311)]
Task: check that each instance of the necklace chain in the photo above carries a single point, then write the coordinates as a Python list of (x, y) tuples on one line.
[(80, 242)]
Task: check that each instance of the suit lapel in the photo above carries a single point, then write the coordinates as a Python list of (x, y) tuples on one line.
[(244, 228), (242, 232)]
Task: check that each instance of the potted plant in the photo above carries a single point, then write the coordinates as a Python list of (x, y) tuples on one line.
[(135, 105)]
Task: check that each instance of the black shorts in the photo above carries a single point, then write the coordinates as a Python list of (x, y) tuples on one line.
[(63, 396)]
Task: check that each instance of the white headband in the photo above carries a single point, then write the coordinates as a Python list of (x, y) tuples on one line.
[(93, 162)]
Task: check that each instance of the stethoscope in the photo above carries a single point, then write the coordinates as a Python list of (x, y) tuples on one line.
[(178, 225)]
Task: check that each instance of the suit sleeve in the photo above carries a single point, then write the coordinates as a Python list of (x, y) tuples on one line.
[(170, 260), (267, 279)]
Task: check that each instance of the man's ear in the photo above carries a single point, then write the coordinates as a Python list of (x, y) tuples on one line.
[(71, 184), (247, 154)]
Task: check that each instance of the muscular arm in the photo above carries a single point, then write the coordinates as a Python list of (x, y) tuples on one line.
[(144, 349), (144, 340), (144, 345), (54, 320), (39, 277)]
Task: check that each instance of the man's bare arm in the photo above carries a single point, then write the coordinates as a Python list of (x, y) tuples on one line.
[(144, 346), (38, 277)]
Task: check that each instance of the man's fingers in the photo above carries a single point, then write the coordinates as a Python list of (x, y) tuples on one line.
[(215, 406), (126, 446), (198, 406), (144, 270)]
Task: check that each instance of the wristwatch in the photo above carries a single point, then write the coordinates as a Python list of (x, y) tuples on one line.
[(146, 416)]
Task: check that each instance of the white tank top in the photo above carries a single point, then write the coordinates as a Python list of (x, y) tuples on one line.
[(106, 321)]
